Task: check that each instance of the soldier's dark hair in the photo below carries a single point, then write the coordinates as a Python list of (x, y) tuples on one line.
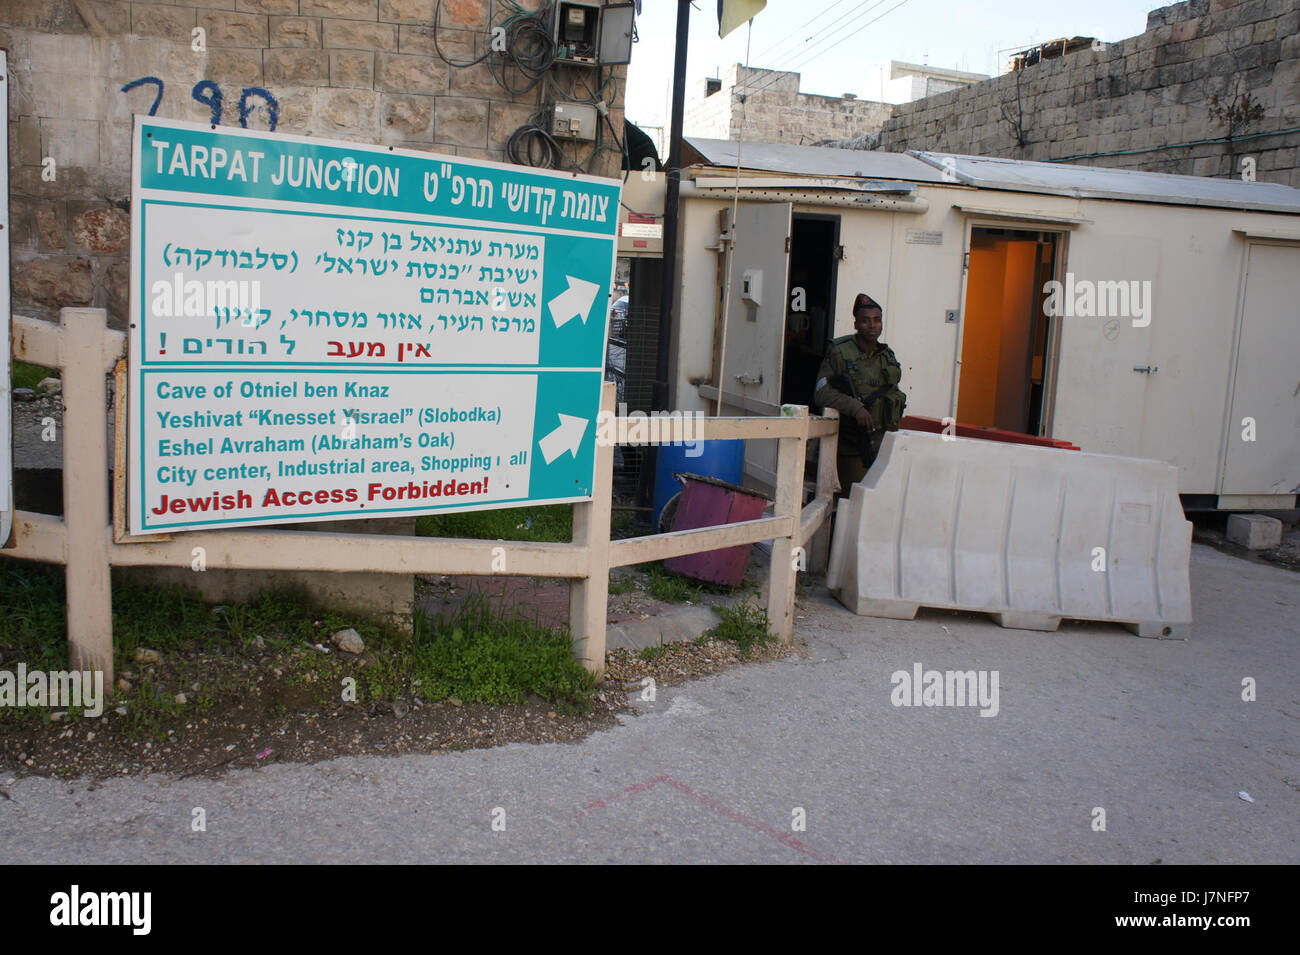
[(863, 300)]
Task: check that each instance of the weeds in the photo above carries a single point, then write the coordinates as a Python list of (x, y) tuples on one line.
[(745, 625), (623, 586), (663, 584), (481, 655), (549, 523), (29, 376), (33, 626)]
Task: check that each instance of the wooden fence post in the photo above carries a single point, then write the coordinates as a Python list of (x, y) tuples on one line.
[(85, 491), (589, 596), (819, 547), (789, 503)]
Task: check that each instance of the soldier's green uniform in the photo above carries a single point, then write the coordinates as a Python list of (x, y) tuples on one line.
[(868, 373)]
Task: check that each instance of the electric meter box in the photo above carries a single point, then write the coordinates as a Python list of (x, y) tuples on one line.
[(574, 121), (751, 287), (587, 33)]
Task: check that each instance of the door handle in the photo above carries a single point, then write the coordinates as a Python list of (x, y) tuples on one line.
[(1146, 369), (750, 379)]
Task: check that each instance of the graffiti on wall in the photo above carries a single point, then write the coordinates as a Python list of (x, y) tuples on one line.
[(209, 94)]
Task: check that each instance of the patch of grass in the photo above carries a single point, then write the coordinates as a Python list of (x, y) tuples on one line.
[(482, 655), (620, 523), (33, 626), (550, 523), (150, 709), (650, 654), (479, 655), (624, 585), (745, 625), (663, 584), (175, 620), (28, 376)]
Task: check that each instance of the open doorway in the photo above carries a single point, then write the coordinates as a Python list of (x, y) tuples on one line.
[(1007, 333), (810, 305)]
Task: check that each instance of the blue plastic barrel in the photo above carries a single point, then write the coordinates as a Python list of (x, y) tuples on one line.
[(717, 459)]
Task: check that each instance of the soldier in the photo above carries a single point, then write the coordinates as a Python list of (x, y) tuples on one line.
[(859, 379)]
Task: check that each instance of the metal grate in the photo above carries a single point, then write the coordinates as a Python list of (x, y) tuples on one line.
[(630, 364)]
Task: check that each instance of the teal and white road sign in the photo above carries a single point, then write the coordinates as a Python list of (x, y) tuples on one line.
[(324, 330)]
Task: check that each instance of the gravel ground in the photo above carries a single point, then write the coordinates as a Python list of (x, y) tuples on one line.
[(261, 709)]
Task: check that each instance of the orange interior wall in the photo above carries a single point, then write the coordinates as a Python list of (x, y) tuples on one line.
[(993, 388), (1012, 402), (982, 336)]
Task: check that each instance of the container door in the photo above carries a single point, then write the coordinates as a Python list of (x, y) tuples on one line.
[(751, 354), (1263, 440), (1106, 321)]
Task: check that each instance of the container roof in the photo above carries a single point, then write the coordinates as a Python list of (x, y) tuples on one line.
[(812, 160), (1097, 182), (987, 172)]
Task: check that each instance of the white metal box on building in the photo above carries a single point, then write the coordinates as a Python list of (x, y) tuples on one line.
[(1031, 535)]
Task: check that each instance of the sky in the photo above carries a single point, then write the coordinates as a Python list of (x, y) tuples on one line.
[(832, 42)]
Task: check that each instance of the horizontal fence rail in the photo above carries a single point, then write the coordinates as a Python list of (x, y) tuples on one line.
[(88, 544)]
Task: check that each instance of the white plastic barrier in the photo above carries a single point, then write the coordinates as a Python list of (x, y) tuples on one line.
[(1030, 535)]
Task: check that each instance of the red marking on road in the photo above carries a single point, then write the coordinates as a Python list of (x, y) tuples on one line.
[(785, 838)]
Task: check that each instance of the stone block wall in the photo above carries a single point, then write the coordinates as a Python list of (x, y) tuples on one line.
[(774, 111), (358, 70), (1142, 103)]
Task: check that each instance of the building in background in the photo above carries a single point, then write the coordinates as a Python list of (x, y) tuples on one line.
[(897, 82), (768, 106), (1209, 89)]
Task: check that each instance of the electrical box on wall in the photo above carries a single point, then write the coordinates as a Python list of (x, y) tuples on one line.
[(586, 32), (576, 35), (751, 287), (573, 121), (617, 24)]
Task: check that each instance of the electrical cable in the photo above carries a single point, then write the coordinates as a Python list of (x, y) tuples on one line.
[(818, 37), (744, 91), (540, 148), (729, 261), (621, 142), (437, 12), (794, 34), (528, 46)]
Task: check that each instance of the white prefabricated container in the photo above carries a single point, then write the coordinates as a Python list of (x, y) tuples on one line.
[(1031, 535), (1185, 355)]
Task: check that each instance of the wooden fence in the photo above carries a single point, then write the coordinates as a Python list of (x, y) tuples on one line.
[(88, 543)]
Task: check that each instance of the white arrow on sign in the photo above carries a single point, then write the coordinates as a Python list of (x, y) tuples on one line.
[(567, 437), (574, 302)]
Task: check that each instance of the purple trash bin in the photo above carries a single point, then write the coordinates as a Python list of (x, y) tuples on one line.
[(711, 502)]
